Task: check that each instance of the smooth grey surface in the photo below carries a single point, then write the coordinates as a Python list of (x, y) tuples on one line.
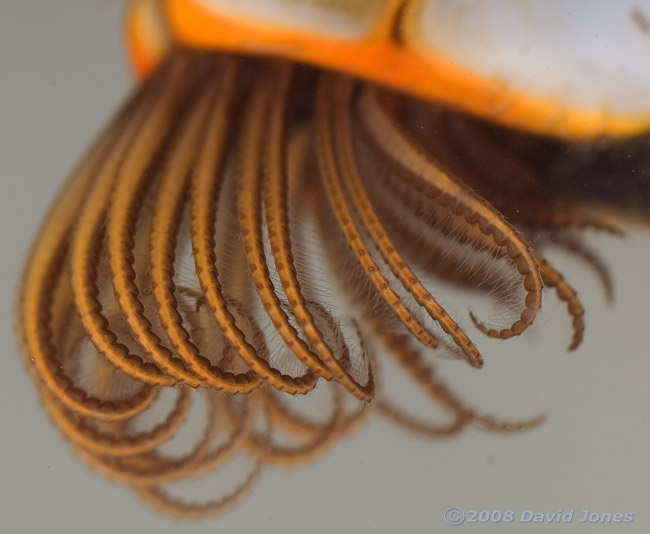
[(63, 73)]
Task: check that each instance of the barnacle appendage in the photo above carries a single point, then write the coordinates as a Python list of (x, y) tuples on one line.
[(255, 229)]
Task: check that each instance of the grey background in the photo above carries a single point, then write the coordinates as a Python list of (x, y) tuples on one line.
[(62, 73)]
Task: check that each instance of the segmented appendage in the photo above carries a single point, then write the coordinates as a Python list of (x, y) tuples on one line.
[(245, 227)]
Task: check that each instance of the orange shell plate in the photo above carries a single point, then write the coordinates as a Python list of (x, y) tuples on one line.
[(374, 53)]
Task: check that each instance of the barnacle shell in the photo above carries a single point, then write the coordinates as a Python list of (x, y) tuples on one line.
[(562, 67)]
